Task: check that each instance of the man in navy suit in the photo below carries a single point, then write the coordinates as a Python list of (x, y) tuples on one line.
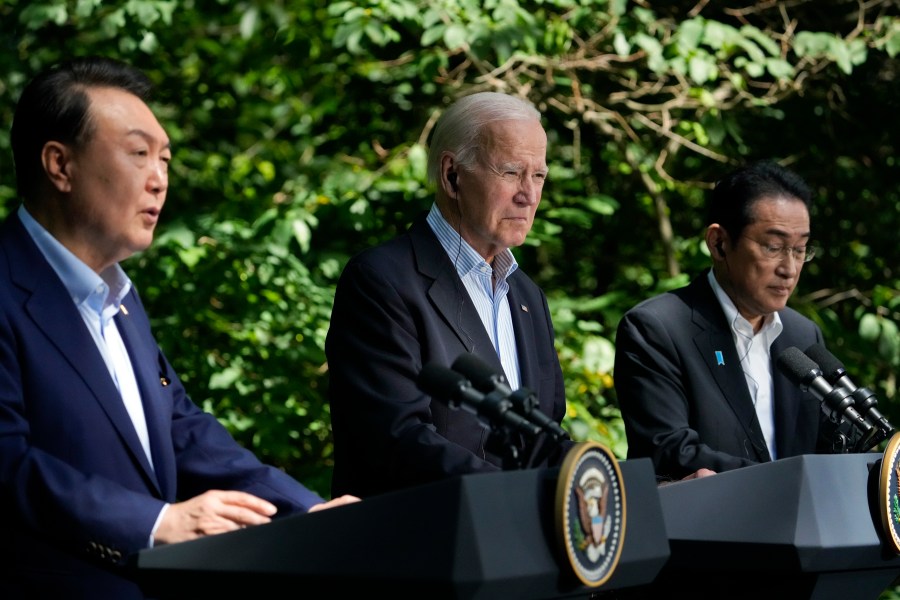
[(102, 453), (694, 369), (447, 286)]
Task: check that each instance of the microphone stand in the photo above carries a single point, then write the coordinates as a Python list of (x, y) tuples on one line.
[(505, 438)]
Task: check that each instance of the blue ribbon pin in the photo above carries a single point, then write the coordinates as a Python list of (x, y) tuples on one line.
[(720, 360)]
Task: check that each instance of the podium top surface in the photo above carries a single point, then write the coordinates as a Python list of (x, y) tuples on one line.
[(816, 509)]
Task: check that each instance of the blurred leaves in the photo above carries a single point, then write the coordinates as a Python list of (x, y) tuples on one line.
[(300, 128)]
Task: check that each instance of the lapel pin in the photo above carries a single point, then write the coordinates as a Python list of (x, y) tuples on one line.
[(123, 309), (720, 360), (524, 308)]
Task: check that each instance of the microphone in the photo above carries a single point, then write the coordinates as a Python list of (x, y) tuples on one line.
[(451, 387), (524, 401), (836, 402), (835, 373)]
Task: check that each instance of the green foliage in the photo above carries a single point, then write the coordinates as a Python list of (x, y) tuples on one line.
[(300, 129)]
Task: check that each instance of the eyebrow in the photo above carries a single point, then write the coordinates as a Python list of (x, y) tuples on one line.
[(517, 166), (783, 234), (148, 137)]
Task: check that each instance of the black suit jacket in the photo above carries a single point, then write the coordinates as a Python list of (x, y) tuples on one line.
[(683, 409), (398, 307)]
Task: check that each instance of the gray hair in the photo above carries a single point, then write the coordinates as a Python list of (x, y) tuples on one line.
[(459, 128)]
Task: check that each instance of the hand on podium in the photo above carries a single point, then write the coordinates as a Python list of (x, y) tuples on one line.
[(212, 512), (703, 472), (698, 474), (218, 511), (339, 501)]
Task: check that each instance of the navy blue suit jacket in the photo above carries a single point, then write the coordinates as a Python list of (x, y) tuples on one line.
[(401, 306), (74, 478), (685, 410)]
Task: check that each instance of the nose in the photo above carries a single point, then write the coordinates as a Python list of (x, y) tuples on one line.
[(158, 182), (529, 191), (789, 265)]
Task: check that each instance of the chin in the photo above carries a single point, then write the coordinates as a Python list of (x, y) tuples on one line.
[(141, 245)]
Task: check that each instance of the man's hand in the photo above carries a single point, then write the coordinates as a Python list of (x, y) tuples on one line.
[(339, 501), (212, 512), (698, 474)]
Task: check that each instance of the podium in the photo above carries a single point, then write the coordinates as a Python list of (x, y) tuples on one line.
[(801, 527), (489, 536)]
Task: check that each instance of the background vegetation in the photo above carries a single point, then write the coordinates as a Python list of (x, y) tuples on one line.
[(300, 130)]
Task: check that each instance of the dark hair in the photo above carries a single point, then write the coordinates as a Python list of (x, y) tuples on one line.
[(732, 200), (54, 107)]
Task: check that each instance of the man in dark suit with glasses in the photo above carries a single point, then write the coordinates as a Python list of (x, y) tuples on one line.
[(694, 371)]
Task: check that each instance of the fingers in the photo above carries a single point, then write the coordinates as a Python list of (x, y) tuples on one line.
[(210, 513), (699, 473), (243, 507), (339, 501)]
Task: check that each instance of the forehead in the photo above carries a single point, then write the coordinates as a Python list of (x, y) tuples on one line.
[(515, 140), (118, 112), (782, 215)]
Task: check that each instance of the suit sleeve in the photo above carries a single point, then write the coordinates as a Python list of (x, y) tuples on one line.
[(656, 406), (384, 430), (207, 457)]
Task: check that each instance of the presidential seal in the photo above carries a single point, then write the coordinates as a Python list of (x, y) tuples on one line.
[(889, 493), (590, 512)]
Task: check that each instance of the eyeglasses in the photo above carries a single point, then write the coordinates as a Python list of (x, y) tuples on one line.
[(799, 253)]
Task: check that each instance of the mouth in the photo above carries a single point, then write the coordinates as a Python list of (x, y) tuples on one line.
[(151, 214)]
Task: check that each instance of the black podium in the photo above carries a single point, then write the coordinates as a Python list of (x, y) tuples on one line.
[(802, 527), (488, 536)]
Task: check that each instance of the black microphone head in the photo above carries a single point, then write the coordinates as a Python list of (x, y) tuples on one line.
[(797, 367), (482, 376), (439, 381), (832, 368)]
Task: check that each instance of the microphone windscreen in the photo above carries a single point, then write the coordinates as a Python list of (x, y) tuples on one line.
[(439, 381), (477, 371), (828, 362), (795, 365)]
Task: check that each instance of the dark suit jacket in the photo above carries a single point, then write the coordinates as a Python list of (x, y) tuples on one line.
[(684, 410), (398, 307), (78, 492)]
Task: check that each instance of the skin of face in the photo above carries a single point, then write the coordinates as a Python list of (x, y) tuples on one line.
[(107, 194), (496, 199), (760, 286)]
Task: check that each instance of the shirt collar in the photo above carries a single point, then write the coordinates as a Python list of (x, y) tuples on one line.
[(100, 292), (465, 257)]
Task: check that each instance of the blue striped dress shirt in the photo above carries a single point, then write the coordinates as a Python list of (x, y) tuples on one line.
[(490, 300)]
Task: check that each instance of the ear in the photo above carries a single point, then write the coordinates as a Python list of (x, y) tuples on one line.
[(717, 241), (56, 159), (449, 177)]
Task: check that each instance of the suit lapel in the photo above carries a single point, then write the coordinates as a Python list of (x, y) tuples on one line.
[(716, 347), (786, 398), (144, 362), (523, 326), (447, 292), (54, 313)]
